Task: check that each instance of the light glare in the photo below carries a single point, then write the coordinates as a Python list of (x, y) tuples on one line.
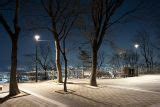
[(136, 46), (36, 37)]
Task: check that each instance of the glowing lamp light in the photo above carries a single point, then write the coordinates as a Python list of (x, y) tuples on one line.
[(37, 37), (136, 46)]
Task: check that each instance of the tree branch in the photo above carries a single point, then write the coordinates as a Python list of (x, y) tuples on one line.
[(124, 15), (6, 26)]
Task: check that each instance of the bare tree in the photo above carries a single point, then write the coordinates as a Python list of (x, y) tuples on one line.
[(133, 58), (84, 56), (85, 59), (130, 59), (146, 49), (115, 62), (13, 32), (45, 59), (63, 49), (101, 13), (59, 12)]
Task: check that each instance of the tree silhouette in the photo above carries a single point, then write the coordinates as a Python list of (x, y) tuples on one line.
[(13, 33)]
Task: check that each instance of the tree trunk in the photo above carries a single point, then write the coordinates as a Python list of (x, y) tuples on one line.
[(58, 64), (147, 66), (65, 79), (13, 87), (45, 74), (83, 72), (93, 81)]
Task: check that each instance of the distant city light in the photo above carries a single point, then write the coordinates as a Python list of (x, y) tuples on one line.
[(136, 46), (36, 37)]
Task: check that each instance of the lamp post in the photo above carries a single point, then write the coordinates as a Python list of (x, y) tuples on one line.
[(36, 38), (136, 46)]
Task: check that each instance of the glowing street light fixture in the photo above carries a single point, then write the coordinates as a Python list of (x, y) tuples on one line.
[(37, 37), (136, 46)]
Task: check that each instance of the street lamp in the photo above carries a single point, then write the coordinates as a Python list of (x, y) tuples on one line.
[(36, 38), (136, 47)]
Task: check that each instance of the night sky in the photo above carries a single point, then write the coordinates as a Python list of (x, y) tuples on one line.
[(146, 18)]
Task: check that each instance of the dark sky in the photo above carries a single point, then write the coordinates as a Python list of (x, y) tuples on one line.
[(146, 18)]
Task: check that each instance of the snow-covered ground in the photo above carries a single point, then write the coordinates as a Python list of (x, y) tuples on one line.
[(3, 81)]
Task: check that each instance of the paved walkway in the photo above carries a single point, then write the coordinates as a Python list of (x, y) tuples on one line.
[(27, 101), (129, 92)]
